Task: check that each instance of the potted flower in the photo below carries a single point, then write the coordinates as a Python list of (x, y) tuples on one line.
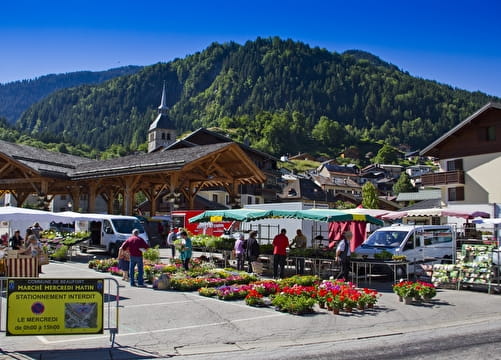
[(351, 298), (322, 296), (427, 291), (404, 289), (370, 297), (254, 298), (336, 303)]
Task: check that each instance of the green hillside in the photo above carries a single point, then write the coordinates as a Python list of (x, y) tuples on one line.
[(17, 96), (280, 96)]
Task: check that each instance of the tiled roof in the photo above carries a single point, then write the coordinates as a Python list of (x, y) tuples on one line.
[(172, 159), (45, 162), (425, 204)]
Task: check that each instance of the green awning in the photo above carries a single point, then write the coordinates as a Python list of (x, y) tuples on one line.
[(233, 214), (327, 215)]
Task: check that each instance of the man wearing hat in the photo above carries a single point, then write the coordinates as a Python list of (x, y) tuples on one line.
[(343, 254)]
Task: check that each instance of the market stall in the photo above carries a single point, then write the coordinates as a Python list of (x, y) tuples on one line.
[(319, 265)]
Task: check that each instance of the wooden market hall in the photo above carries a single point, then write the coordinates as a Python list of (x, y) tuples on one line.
[(176, 168)]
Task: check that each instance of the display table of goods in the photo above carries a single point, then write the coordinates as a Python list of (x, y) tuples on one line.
[(476, 264), (473, 267)]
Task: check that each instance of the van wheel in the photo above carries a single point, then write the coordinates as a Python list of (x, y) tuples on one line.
[(113, 251)]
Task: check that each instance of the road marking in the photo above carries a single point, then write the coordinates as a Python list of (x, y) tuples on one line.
[(44, 340)]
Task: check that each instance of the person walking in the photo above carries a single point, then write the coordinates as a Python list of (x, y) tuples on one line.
[(252, 250), (170, 241), (343, 254), (239, 251), (136, 245), (280, 244), (186, 250), (300, 242)]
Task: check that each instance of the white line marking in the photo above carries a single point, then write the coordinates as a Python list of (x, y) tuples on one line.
[(45, 341)]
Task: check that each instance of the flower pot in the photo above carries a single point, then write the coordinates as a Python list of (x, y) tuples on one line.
[(322, 305), (400, 298), (370, 306), (418, 298), (348, 309), (360, 307), (427, 298), (335, 311), (408, 300)]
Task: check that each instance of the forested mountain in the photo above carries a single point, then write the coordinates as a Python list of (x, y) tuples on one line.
[(278, 95), (17, 96)]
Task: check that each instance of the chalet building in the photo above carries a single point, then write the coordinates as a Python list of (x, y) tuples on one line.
[(304, 190), (469, 158), (382, 176), (335, 171), (335, 186)]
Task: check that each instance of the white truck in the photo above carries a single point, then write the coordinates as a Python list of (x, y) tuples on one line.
[(108, 232), (418, 243)]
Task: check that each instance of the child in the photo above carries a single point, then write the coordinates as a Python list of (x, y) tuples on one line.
[(124, 262)]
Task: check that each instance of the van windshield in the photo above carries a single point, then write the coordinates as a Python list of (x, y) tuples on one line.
[(386, 238), (125, 226)]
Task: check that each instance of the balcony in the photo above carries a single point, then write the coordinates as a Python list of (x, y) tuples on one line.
[(443, 178)]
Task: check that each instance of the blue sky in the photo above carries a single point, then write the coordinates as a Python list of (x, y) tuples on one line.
[(452, 42)]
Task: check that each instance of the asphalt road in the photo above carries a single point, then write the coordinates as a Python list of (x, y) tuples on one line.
[(156, 324)]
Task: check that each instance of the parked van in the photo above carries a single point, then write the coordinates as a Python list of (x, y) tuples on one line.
[(108, 232), (418, 243)]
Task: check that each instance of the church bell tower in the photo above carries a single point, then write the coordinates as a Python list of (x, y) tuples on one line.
[(162, 131)]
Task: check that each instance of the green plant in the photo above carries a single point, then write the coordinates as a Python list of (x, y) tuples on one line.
[(383, 255), (296, 305), (152, 254), (61, 253), (207, 291)]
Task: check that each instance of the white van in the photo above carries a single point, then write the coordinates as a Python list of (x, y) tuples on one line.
[(418, 243), (108, 232)]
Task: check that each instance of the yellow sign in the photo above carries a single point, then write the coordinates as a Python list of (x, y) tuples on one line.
[(38, 306), (216, 218)]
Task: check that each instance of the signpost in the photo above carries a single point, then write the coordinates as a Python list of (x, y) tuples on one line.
[(37, 306)]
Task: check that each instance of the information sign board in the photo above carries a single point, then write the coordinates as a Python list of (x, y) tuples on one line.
[(37, 306)]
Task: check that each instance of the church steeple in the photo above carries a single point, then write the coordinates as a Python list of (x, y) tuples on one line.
[(162, 131), (163, 104)]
